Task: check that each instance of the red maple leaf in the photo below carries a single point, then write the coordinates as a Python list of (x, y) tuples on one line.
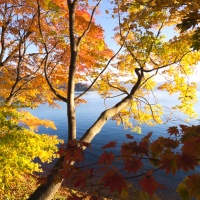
[(80, 181), (74, 154), (186, 161), (114, 180), (61, 151), (74, 197), (156, 147), (168, 162), (42, 180), (111, 144), (149, 184), (144, 147), (130, 148), (191, 145), (173, 130), (126, 149), (184, 128), (129, 136), (65, 172), (133, 164), (106, 158), (81, 177), (169, 143)]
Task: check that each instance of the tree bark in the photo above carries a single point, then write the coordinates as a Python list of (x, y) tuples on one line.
[(98, 125), (71, 111), (47, 191)]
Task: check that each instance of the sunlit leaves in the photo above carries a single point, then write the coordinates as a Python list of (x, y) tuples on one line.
[(19, 147), (27, 39)]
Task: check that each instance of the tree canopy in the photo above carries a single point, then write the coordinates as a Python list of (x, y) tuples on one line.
[(49, 46)]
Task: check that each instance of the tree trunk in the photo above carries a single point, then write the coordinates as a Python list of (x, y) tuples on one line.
[(47, 191), (71, 111)]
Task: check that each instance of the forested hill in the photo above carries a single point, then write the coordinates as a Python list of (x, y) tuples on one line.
[(81, 86)]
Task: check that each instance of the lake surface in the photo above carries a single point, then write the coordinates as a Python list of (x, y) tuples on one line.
[(88, 113)]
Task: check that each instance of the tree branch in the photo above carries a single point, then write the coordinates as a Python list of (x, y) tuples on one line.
[(103, 118), (46, 59), (108, 63)]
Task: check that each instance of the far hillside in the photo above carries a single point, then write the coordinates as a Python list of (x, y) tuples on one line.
[(81, 86)]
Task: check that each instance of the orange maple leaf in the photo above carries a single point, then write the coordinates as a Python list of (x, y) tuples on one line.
[(114, 180)]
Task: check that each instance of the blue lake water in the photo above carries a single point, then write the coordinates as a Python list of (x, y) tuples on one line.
[(88, 113)]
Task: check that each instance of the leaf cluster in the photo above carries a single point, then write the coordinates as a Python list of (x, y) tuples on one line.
[(137, 159), (19, 147)]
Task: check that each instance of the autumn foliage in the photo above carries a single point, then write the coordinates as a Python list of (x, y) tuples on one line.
[(179, 151), (48, 46)]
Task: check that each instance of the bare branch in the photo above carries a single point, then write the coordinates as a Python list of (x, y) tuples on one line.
[(103, 118), (167, 65), (46, 59), (115, 87), (108, 63)]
